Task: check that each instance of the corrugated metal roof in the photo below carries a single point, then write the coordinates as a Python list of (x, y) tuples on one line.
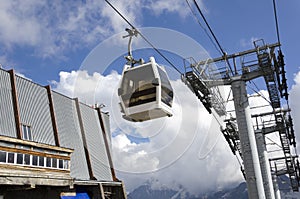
[(69, 134), (95, 142), (8, 125)]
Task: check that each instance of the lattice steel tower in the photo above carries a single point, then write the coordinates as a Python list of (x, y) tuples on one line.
[(247, 140)]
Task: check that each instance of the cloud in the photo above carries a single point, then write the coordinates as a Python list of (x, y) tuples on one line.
[(295, 106), (186, 149), (5, 63), (53, 28), (247, 43), (173, 6)]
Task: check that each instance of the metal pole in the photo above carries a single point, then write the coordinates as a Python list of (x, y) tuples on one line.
[(264, 164), (248, 141)]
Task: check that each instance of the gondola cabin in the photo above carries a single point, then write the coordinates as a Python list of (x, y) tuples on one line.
[(145, 92)]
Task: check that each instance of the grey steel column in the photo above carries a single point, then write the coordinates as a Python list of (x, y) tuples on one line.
[(248, 141), (264, 165)]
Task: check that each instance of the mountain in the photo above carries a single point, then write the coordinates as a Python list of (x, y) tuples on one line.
[(238, 192), (146, 192)]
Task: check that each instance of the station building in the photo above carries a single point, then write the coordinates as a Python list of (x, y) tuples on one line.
[(52, 146)]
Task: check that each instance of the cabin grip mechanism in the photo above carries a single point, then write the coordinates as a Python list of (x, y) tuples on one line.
[(130, 60)]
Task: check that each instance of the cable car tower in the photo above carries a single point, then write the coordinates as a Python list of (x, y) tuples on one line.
[(244, 138)]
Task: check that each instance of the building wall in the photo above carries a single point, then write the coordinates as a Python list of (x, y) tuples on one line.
[(34, 110), (95, 143), (105, 117), (7, 120), (80, 131), (69, 134)]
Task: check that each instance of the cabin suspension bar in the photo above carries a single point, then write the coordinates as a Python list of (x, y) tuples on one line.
[(130, 24)]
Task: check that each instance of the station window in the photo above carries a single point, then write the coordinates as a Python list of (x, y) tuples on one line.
[(61, 164), (41, 161), (48, 162), (35, 160), (54, 163), (11, 158), (19, 158), (26, 132), (27, 159), (66, 164), (2, 156)]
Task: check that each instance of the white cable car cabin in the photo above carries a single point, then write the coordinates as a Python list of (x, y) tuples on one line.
[(145, 92)]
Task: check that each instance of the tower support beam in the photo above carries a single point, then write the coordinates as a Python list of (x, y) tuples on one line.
[(264, 164), (248, 141)]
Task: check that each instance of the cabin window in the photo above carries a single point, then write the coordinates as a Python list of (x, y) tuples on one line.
[(137, 86), (166, 88)]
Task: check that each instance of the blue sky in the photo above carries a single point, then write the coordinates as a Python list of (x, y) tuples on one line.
[(235, 23), (50, 41)]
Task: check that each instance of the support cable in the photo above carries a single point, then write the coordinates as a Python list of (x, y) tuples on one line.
[(160, 53), (120, 14), (277, 32), (132, 26), (239, 161), (229, 95), (214, 36), (257, 92), (276, 22), (204, 29), (212, 33), (275, 143)]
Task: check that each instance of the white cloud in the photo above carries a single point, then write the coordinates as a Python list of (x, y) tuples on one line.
[(295, 105), (174, 6), (247, 43), (5, 63), (186, 149), (52, 28)]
